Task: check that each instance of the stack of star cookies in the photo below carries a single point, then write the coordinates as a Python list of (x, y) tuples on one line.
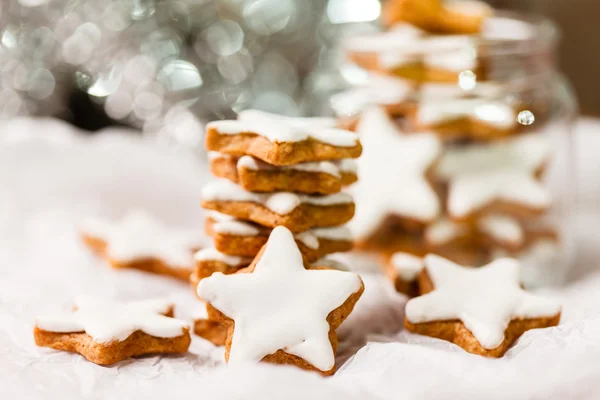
[(275, 170), (453, 162), (276, 209)]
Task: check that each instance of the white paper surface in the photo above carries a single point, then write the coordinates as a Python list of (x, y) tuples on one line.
[(50, 178)]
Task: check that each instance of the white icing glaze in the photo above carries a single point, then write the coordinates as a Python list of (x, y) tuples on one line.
[(107, 321), (408, 266), (139, 236), (281, 202), (235, 228), (212, 254), (444, 231), (219, 217), (493, 113), (502, 28), (480, 174), (333, 233), (392, 174), (484, 299), (278, 128), (452, 53), (399, 37), (379, 90), (334, 167), (281, 305), (502, 228)]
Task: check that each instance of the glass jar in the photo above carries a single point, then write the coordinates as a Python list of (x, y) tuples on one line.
[(502, 115)]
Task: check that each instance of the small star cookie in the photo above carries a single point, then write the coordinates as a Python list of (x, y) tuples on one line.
[(483, 310), (279, 311), (393, 175), (140, 241), (254, 175), (496, 176), (106, 332), (297, 212), (280, 140), (242, 238)]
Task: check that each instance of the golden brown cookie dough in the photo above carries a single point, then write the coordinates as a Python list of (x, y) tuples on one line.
[(279, 154), (270, 178), (436, 17), (151, 265), (302, 218), (212, 331)]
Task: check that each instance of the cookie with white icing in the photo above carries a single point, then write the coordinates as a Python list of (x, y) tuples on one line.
[(280, 140), (106, 332), (393, 172), (279, 311), (488, 231), (393, 94), (459, 118), (252, 174), (483, 310), (141, 242), (296, 211), (501, 176), (242, 238), (438, 16)]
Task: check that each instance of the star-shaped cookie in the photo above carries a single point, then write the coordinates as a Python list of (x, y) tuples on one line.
[(392, 172), (105, 331), (140, 241), (499, 175), (280, 140), (483, 310), (282, 312)]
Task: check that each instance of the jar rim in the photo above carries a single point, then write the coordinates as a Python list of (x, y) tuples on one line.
[(539, 34)]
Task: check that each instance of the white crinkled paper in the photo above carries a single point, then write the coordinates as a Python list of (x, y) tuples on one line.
[(51, 177)]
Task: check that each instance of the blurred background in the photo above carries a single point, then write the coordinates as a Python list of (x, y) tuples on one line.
[(167, 66)]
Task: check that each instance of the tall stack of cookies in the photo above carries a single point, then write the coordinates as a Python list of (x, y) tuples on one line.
[(452, 163), (275, 174), (275, 170)]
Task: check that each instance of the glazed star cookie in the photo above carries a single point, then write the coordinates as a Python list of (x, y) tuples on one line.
[(483, 310), (141, 242), (499, 176), (254, 175), (280, 140), (410, 54), (241, 238), (393, 176), (475, 118), (438, 16), (394, 95), (298, 212), (106, 332), (278, 311), (490, 231)]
